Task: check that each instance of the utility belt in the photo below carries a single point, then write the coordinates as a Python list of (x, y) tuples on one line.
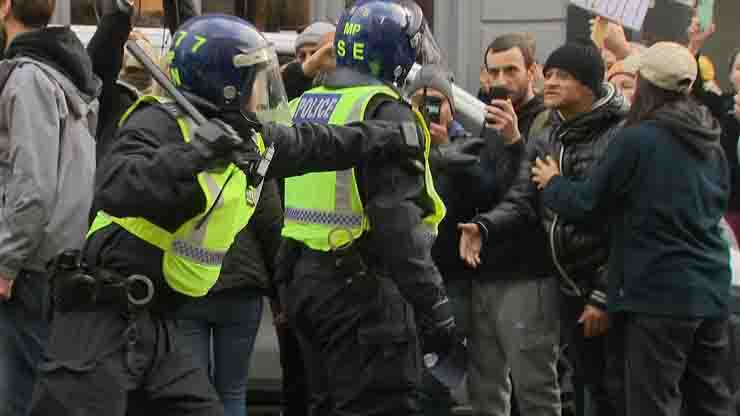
[(75, 287), (346, 262)]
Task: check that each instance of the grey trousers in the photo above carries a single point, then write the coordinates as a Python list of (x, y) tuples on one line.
[(515, 330)]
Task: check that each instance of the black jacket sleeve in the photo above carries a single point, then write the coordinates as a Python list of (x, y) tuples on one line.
[(150, 172), (310, 147), (177, 12), (519, 204), (106, 52), (396, 202), (610, 180), (268, 223), (296, 82), (715, 103)]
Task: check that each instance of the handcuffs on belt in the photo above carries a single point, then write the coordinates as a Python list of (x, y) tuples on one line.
[(75, 287)]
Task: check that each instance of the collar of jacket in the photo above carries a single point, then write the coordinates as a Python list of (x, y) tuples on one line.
[(345, 78), (607, 111)]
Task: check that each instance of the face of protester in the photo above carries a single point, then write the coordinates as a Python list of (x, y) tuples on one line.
[(438, 131), (507, 69), (625, 83), (564, 93), (305, 51), (735, 73)]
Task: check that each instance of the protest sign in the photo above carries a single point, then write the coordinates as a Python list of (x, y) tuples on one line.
[(629, 13)]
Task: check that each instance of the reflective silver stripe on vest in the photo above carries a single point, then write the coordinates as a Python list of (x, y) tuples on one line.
[(197, 254), (343, 192), (191, 246), (313, 216), (356, 113)]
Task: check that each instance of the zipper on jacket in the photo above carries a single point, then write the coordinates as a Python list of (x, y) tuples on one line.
[(566, 278)]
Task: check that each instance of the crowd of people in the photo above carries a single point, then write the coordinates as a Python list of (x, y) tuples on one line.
[(575, 244)]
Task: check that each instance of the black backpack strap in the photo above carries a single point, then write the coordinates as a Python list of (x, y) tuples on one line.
[(6, 69)]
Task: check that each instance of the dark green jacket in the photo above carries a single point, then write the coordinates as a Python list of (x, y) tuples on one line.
[(662, 187)]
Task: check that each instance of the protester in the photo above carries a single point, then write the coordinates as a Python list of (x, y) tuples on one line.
[(721, 107), (314, 57), (623, 80), (707, 74), (663, 188), (48, 111), (515, 325), (106, 53), (432, 95), (586, 114), (311, 39)]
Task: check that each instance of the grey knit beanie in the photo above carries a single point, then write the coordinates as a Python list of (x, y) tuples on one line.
[(313, 34)]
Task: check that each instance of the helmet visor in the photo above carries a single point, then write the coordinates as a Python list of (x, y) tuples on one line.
[(268, 101)]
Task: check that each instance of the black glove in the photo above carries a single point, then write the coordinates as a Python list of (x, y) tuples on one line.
[(217, 144), (439, 329), (456, 154)]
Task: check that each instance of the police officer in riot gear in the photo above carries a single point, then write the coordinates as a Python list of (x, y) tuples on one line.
[(357, 277), (169, 201)]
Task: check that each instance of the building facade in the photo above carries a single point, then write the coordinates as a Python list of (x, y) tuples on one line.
[(463, 28)]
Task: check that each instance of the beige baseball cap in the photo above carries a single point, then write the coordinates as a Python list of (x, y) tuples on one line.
[(668, 65)]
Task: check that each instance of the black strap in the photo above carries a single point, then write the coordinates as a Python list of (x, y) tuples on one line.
[(6, 68)]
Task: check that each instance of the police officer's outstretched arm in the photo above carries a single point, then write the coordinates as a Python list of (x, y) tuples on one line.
[(311, 147)]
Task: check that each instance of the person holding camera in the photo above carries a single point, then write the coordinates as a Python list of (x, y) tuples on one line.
[(431, 94), (514, 323)]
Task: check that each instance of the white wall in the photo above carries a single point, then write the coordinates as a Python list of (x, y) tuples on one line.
[(464, 29)]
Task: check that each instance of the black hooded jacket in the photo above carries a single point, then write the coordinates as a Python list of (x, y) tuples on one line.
[(579, 250), (662, 188), (59, 48)]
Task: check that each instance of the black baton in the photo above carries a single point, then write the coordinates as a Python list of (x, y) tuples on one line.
[(165, 82)]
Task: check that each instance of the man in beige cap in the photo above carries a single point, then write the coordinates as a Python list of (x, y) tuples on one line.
[(663, 188)]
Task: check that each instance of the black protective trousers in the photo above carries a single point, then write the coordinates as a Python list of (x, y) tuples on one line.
[(102, 362), (358, 340)]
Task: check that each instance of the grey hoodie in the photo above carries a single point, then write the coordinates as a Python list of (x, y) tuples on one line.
[(693, 125), (48, 111)]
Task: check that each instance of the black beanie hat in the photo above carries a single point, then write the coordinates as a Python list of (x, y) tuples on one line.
[(584, 62)]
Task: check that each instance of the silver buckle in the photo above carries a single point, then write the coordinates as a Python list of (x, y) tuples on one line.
[(137, 278)]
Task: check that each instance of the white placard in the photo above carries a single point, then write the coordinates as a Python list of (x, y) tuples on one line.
[(629, 13)]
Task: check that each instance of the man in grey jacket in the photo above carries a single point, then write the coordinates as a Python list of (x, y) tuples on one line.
[(48, 112)]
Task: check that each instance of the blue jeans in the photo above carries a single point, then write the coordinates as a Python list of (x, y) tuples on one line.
[(24, 331), (222, 328)]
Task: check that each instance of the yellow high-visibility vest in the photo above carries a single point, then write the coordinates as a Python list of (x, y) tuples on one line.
[(194, 253), (324, 210)]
